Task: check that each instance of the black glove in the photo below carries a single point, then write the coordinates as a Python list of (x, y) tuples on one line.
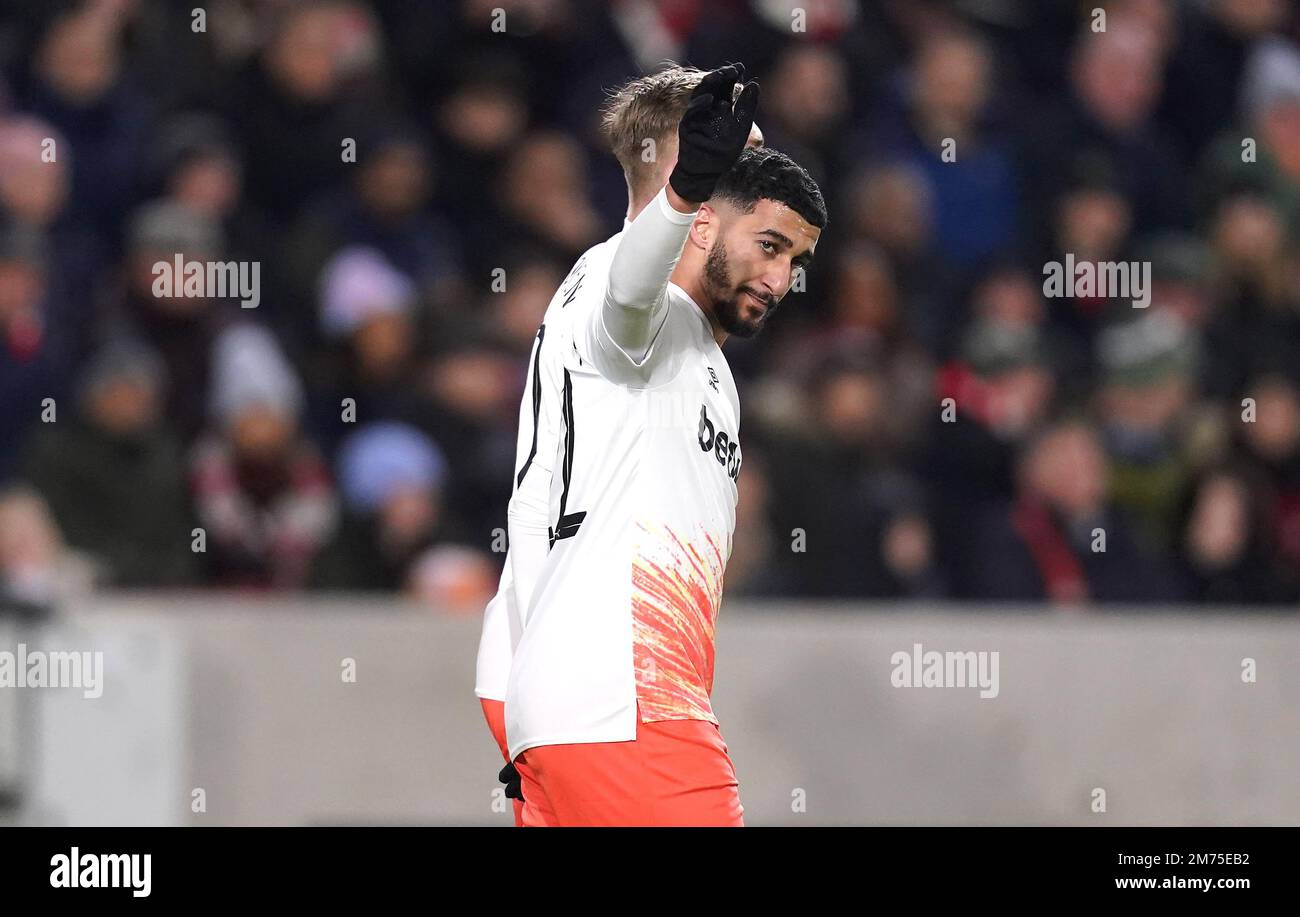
[(510, 777), (712, 134)]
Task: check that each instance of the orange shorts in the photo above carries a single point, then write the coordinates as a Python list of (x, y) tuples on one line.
[(675, 773), (495, 712)]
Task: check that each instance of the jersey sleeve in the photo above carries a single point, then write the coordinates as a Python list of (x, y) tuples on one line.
[(626, 334)]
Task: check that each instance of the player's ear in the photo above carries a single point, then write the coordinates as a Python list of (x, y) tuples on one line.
[(705, 227)]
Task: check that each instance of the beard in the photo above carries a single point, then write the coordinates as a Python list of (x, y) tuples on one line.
[(729, 302)]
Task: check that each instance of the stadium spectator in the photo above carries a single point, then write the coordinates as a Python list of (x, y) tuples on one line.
[(392, 477), (113, 474), (1115, 85), (37, 353), (476, 125), (262, 491), (1090, 217), (938, 124), (807, 106), (473, 384), (367, 319), (383, 207), (181, 325), (78, 83), (1269, 118), (990, 402), (1061, 541), (37, 570), (867, 318), (36, 194), (1268, 442), (308, 94), (545, 200), (451, 578), (1144, 410), (1225, 543), (841, 484), (198, 165)]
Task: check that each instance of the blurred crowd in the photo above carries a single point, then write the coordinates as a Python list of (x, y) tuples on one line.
[(920, 422)]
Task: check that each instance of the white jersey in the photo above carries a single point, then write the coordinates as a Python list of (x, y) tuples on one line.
[(643, 509), (536, 447)]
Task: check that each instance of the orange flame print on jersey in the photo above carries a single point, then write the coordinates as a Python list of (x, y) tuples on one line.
[(676, 592)]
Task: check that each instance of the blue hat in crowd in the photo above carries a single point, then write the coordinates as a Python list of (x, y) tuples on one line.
[(382, 458)]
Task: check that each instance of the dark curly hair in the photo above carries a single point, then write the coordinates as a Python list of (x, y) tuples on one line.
[(768, 174)]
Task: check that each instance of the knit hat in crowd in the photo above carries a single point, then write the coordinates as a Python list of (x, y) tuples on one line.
[(121, 358), (165, 227), (357, 284), (1272, 76), (993, 347), (249, 370), (381, 458), (1145, 351), (1179, 257)]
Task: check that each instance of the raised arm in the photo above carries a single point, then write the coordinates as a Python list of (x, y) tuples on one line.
[(712, 133), (633, 310)]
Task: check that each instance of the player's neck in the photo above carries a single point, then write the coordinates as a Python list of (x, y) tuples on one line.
[(689, 281), (638, 202)]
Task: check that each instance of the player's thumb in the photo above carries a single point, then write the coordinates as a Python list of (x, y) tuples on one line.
[(747, 105)]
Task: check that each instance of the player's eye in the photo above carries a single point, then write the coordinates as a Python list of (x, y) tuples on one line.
[(768, 247)]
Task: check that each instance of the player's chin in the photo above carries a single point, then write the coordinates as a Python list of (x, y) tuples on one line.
[(759, 321), (754, 319), (747, 328), (742, 318)]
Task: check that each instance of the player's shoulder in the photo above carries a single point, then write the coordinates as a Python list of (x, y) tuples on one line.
[(601, 252), (584, 280), (579, 294)]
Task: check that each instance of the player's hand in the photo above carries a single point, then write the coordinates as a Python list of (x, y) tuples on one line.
[(712, 132), (514, 785)]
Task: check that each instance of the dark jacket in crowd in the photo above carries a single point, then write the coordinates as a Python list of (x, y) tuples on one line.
[(121, 500)]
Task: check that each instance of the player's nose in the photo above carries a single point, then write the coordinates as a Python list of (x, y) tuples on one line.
[(776, 282)]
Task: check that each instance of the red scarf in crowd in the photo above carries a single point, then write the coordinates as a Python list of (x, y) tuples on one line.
[(1061, 571)]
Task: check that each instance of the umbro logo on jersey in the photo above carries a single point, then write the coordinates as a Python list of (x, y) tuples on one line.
[(725, 447), (713, 379)]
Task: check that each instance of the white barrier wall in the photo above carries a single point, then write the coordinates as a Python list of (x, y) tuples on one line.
[(1147, 715)]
